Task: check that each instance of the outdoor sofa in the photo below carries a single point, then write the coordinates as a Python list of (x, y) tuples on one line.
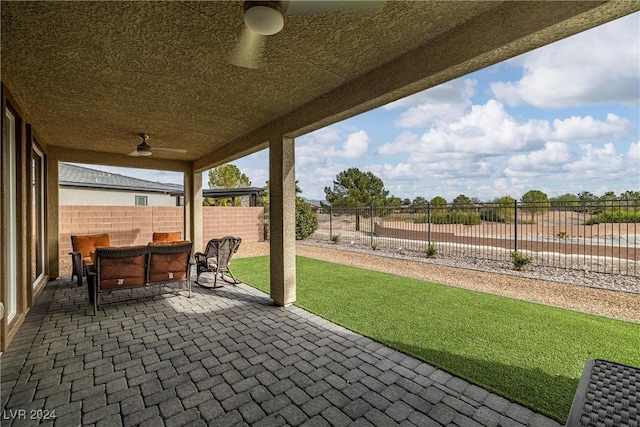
[(166, 264)]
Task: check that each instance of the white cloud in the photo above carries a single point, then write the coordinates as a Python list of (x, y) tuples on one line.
[(588, 129), (443, 103), (486, 130), (356, 145), (598, 66), (552, 157)]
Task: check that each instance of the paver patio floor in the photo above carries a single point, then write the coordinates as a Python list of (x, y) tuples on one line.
[(222, 358)]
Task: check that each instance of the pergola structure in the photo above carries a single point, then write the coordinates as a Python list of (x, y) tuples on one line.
[(80, 81)]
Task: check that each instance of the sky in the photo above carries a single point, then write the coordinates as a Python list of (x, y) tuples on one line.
[(564, 118)]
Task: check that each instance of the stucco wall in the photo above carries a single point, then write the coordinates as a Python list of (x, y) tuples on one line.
[(97, 197), (134, 225)]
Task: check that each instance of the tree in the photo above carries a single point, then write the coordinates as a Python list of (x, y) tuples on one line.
[(463, 202), (419, 203), (439, 204), (406, 202), (504, 209), (227, 176), (306, 219), (356, 188), (566, 202), (394, 202), (535, 201)]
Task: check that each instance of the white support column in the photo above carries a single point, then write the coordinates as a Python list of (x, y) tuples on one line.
[(193, 209), (282, 219)]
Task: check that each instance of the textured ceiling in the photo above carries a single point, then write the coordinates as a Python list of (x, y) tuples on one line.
[(91, 75)]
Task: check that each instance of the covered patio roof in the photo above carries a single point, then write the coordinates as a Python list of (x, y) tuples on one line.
[(92, 75)]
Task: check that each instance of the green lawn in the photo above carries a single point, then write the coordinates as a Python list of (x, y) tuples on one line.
[(529, 353)]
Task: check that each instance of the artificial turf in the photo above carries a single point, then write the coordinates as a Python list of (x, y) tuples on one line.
[(529, 353)]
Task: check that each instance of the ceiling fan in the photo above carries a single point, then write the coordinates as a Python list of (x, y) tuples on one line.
[(266, 18), (143, 149)]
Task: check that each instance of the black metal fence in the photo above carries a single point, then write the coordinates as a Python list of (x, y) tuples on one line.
[(602, 236)]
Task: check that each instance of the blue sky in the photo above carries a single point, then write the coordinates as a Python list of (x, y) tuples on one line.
[(564, 118)]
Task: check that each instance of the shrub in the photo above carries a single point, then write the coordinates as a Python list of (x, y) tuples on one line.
[(519, 260), (374, 245), (614, 216), (432, 251), (563, 235), (306, 220), (450, 217), (335, 238)]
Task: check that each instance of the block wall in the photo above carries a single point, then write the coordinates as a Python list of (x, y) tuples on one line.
[(134, 225)]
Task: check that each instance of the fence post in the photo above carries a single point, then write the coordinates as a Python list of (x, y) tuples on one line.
[(515, 225), (371, 212), (330, 222), (429, 224)]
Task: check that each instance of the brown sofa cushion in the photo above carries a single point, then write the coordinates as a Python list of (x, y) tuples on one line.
[(123, 272), (87, 244), (168, 267), (167, 237)]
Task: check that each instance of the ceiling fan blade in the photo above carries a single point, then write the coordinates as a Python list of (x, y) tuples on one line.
[(175, 150), (250, 50), (300, 7)]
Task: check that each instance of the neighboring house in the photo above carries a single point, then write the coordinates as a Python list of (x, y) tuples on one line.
[(84, 186)]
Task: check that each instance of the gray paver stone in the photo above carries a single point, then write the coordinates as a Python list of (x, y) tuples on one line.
[(458, 405), (210, 410), (316, 421), (293, 415), (399, 411), (442, 413), (101, 413), (356, 408), (138, 417), (160, 397), (132, 405), (170, 407), (440, 377), (111, 421), (315, 406), (183, 418), (487, 416), (497, 403), (272, 405), (236, 401), (422, 420), (519, 413), (336, 417), (379, 418), (197, 399), (94, 402)]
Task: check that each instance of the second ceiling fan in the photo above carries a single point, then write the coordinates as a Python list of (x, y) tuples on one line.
[(143, 149)]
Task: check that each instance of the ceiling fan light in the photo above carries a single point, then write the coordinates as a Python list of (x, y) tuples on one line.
[(264, 18), (144, 153)]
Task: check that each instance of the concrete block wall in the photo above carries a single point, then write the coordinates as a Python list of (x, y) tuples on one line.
[(134, 225)]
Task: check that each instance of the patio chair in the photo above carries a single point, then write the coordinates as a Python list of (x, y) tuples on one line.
[(82, 247), (216, 259)]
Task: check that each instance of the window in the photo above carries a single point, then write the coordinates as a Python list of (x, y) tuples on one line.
[(37, 215), (141, 200), (11, 223)]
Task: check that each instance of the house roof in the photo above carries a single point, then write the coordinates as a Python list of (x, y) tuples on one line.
[(70, 175), (94, 74)]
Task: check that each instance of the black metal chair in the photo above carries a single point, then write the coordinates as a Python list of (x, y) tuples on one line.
[(216, 258)]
